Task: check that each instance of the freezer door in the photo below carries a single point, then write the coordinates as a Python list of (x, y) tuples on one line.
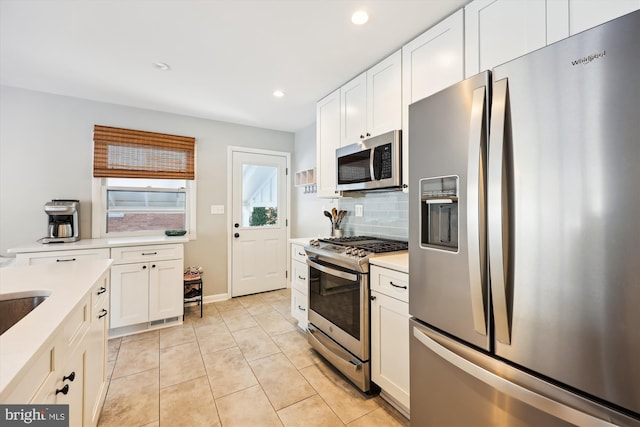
[(453, 385), (563, 203), (447, 245)]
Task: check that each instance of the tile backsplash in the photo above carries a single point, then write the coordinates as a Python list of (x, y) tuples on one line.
[(385, 215)]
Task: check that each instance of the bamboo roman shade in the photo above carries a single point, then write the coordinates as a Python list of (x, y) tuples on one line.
[(124, 153)]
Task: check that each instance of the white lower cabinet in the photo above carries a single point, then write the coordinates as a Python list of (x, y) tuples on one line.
[(299, 285), (146, 291), (75, 361), (390, 335)]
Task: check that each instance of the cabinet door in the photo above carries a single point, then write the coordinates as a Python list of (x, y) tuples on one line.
[(585, 14), (384, 95), (129, 294), (390, 346), (71, 391), (353, 110), (165, 289), (327, 141), (96, 363), (497, 31), (430, 63)]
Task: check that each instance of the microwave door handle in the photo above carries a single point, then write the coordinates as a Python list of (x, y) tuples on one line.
[(373, 164)]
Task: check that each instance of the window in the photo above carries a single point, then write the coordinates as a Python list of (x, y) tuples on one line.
[(143, 183), (132, 207)]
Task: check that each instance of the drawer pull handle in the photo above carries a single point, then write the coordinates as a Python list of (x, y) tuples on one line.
[(397, 286), (302, 278), (372, 297), (63, 390), (103, 313), (71, 377), (149, 253), (302, 309), (102, 290), (65, 260), (302, 254)]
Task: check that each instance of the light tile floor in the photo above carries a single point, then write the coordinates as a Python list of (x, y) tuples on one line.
[(245, 363)]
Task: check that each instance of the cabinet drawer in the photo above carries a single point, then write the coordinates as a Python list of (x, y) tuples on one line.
[(298, 253), (99, 297), (299, 305), (390, 282), (61, 256), (132, 254), (300, 280)]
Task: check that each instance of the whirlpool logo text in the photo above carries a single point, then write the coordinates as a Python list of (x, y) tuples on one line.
[(589, 58)]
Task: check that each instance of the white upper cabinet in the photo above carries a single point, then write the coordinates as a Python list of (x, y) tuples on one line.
[(430, 63), (585, 14), (327, 141), (497, 31), (353, 110), (371, 104)]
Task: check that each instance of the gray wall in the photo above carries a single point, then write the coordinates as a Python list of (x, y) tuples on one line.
[(308, 220), (46, 152)]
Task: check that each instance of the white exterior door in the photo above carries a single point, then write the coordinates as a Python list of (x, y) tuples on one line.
[(259, 222)]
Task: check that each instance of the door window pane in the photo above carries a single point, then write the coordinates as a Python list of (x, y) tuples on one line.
[(259, 196)]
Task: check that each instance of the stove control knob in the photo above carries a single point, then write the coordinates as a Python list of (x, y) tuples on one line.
[(362, 253), (348, 250), (314, 243)]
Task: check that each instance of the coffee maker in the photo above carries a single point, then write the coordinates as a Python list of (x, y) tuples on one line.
[(63, 223)]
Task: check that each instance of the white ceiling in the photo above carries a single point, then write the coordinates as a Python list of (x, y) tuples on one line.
[(226, 56)]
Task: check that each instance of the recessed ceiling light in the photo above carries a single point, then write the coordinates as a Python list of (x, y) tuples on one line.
[(278, 93), (161, 66), (359, 17)]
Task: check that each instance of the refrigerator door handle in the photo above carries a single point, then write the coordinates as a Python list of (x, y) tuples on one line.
[(475, 211), (529, 397), (497, 222)]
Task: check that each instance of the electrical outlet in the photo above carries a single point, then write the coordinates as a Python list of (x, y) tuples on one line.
[(358, 210), (217, 209)]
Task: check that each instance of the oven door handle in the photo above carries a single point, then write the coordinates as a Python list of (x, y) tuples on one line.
[(325, 269)]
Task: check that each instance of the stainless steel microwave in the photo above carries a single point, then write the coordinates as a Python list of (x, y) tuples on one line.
[(372, 164)]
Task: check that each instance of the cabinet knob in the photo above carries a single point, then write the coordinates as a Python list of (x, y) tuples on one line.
[(361, 136), (144, 267), (103, 313), (102, 290), (71, 377), (153, 266), (63, 390), (372, 297), (368, 134)]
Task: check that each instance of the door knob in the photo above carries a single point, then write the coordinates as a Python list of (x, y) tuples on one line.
[(236, 225), (236, 235)]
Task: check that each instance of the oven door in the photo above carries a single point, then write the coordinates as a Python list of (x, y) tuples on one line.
[(339, 305)]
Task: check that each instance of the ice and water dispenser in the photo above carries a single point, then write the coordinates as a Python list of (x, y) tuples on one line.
[(439, 216)]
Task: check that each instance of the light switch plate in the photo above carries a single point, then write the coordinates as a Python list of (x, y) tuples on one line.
[(217, 209), (358, 210)]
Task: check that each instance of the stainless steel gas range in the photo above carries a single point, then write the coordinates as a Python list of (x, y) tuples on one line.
[(339, 301)]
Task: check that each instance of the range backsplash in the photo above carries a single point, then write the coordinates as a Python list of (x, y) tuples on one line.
[(385, 215)]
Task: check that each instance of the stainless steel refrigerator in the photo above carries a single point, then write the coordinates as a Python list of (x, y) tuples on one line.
[(524, 242)]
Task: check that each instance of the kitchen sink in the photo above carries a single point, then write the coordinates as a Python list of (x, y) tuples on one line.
[(15, 306)]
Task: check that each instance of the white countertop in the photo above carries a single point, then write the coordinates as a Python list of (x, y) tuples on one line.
[(97, 243), (398, 261), (68, 283), (300, 240)]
